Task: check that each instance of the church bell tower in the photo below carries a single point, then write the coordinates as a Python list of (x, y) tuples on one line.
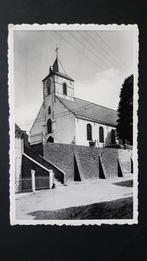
[(56, 83)]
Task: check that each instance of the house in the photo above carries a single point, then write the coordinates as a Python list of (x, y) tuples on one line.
[(21, 138), (27, 160), (65, 119)]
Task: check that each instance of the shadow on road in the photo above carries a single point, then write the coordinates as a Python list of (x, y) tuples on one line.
[(127, 183), (116, 209)]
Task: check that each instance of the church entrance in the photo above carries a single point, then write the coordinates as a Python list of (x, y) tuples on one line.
[(50, 139)]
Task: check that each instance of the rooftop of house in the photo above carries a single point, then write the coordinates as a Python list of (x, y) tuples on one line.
[(17, 128), (90, 111), (19, 132)]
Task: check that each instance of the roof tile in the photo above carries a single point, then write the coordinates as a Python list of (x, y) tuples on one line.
[(91, 111)]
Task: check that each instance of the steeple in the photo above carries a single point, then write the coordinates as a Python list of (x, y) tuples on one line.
[(56, 65), (57, 83), (55, 69)]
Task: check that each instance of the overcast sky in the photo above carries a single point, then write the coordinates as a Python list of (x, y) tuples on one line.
[(98, 61)]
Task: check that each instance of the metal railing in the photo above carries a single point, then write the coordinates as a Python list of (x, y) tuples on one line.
[(23, 185), (34, 183)]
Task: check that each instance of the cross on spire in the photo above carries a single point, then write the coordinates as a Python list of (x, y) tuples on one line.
[(56, 50)]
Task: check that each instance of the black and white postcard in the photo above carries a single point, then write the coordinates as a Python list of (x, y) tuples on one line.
[(73, 97)]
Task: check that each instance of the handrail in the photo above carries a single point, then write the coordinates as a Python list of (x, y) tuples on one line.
[(36, 162)]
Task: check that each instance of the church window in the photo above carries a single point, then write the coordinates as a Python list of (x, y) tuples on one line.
[(50, 139), (112, 136), (64, 88), (49, 125), (48, 86), (89, 132), (101, 134), (49, 110)]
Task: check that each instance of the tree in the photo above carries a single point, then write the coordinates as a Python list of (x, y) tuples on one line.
[(125, 112)]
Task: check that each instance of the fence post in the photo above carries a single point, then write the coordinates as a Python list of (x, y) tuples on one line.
[(51, 178), (33, 179)]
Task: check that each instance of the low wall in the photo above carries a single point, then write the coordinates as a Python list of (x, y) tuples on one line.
[(125, 157)]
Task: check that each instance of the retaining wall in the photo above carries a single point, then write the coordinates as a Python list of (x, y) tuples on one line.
[(87, 160), (125, 159), (27, 165)]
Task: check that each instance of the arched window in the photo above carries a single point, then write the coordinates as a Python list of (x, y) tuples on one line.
[(49, 110), (112, 136), (64, 88), (49, 125), (50, 139), (89, 132), (101, 134)]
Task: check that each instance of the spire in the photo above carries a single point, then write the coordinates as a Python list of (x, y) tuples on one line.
[(56, 65)]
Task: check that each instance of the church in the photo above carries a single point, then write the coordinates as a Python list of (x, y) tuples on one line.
[(74, 138), (65, 119)]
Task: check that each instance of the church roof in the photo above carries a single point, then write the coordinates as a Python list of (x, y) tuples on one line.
[(90, 111), (63, 75), (56, 65)]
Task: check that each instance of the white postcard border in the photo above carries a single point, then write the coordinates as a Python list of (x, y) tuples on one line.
[(111, 27)]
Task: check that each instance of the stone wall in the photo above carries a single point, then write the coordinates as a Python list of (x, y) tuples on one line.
[(37, 148), (62, 156), (27, 165), (125, 159), (87, 160)]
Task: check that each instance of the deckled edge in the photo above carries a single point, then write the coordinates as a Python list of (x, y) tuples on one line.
[(11, 98)]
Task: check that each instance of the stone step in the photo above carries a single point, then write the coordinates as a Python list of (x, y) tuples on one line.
[(58, 183)]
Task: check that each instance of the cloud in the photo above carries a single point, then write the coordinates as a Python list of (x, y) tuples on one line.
[(103, 89), (26, 114)]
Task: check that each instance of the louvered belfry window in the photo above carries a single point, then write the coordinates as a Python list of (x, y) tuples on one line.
[(89, 131), (48, 86), (64, 88)]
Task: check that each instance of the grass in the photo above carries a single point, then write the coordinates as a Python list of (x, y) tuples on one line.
[(116, 209)]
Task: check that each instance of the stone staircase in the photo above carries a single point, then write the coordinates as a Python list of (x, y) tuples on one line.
[(58, 184)]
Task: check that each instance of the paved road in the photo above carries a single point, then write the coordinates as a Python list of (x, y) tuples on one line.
[(75, 194)]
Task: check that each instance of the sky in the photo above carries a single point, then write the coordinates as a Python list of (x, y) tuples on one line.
[(98, 61)]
